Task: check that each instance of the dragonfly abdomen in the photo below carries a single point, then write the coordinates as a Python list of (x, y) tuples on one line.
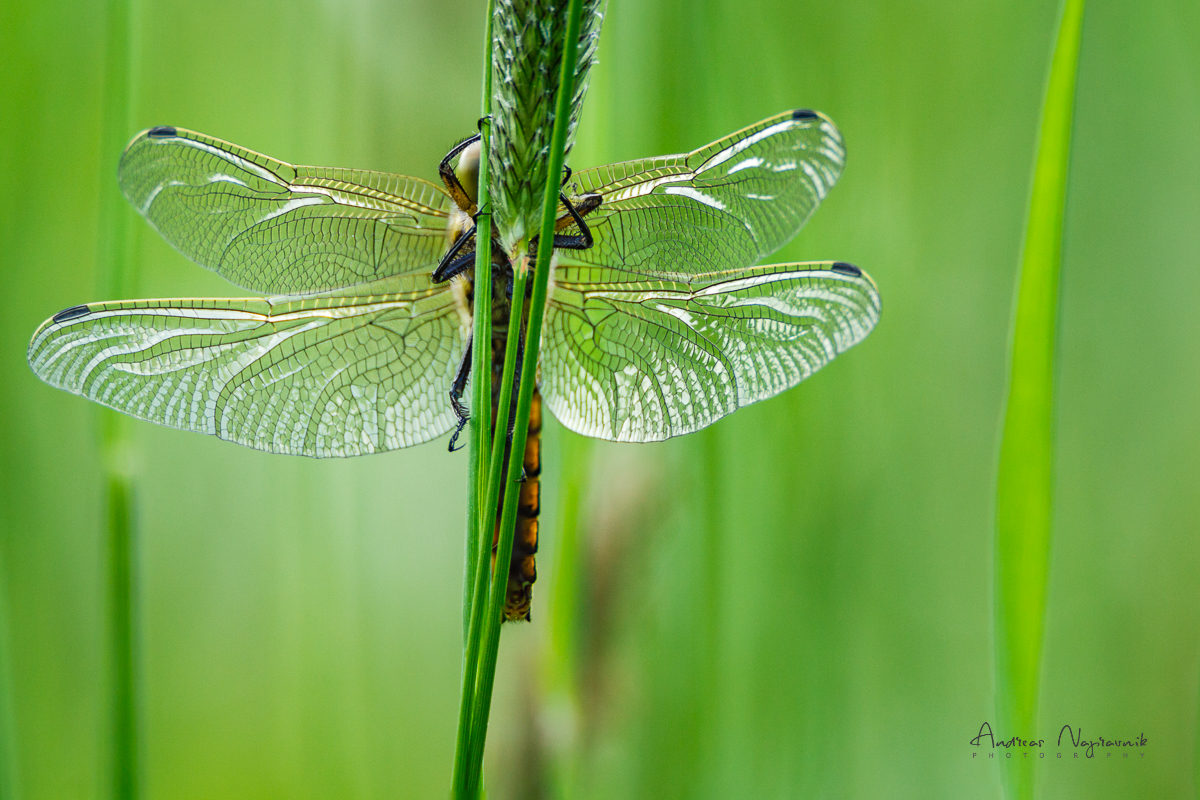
[(522, 567), (522, 570)]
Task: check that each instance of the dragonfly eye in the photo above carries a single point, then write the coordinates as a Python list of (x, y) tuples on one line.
[(467, 170)]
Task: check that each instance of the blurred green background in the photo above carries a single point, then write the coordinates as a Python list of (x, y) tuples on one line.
[(793, 603)]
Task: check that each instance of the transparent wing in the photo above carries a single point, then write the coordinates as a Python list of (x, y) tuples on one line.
[(275, 228), (334, 376), (720, 207), (635, 360)]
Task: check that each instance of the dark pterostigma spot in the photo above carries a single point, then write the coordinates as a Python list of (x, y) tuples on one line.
[(71, 313), (846, 269), (161, 132), (804, 113)]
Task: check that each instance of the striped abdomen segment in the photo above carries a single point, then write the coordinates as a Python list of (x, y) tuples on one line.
[(522, 568)]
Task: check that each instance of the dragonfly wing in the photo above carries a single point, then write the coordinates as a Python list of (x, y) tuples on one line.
[(720, 207), (337, 376), (275, 228), (635, 360)]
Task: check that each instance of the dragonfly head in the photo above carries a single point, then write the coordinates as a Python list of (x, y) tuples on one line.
[(467, 170)]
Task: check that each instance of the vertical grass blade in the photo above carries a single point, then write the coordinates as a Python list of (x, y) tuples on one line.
[(1025, 480), (122, 628), (566, 593), (481, 352), (116, 274), (477, 541), (467, 768), (9, 785)]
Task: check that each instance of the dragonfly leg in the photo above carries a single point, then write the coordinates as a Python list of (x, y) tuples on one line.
[(456, 392), (587, 204), (462, 423), (457, 267), (457, 193), (450, 266)]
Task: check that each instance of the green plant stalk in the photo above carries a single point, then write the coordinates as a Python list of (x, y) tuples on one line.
[(1195, 759), (468, 767), (561, 660), (1025, 478), (475, 572), (10, 788), (505, 400), (493, 614), (499, 435), (567, 591), (511, 344), (709, 459), (468, 710), (121, 599), (481, 371), (116, 276)]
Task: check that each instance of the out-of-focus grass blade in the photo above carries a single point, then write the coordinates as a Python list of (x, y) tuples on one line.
[(9, 789), (116, 276), (1024, 486)]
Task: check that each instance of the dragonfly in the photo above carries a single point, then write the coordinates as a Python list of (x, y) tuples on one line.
[(659, 318)]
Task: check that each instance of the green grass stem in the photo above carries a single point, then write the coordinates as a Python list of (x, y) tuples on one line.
[(1025, 480), (122, 629), (117, 275), (567, 591), (481, 368), (9, 783), (477, 541), (467, 768)]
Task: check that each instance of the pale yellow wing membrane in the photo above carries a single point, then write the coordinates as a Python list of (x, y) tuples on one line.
[(321, 377), (276, 228), (629, 359), (724, 206)]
